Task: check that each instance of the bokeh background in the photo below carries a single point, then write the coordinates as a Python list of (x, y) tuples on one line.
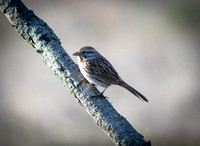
[(154, 45)]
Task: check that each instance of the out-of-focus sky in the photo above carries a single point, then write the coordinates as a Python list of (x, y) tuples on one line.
[(154, 46)]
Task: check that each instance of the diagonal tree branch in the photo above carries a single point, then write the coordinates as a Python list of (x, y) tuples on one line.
[(37, 33)]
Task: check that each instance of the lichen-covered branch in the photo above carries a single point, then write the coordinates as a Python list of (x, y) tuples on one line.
[(37, 33)]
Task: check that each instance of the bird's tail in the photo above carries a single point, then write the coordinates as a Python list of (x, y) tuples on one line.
[(132, 90)]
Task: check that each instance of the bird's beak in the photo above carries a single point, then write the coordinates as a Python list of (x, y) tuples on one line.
[(76, 54)]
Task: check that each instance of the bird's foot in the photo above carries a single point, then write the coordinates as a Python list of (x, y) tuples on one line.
[(98, 96), (83, 82)]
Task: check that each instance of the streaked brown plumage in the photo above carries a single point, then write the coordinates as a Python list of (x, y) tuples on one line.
[(98, 70)]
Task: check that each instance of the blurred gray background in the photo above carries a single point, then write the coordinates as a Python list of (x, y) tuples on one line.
[(154, 46)]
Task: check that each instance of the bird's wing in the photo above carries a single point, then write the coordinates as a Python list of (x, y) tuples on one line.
[(102, 68)]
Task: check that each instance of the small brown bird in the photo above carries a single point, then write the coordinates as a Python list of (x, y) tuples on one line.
[(99, 71)]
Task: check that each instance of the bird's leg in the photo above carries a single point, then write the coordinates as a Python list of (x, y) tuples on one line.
[(104, 90), (101, 94)]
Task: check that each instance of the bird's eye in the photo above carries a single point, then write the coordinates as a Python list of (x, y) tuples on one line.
[(83, 52)]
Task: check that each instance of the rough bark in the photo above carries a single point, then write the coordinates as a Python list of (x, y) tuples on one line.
[(37, 33)]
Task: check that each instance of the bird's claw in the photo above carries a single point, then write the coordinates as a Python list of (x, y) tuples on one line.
[(83, 82), (98, 96)]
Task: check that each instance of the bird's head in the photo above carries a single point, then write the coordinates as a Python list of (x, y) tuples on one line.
[(86, 53)]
